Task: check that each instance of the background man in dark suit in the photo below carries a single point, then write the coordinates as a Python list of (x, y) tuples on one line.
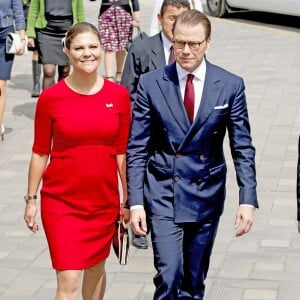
[(153, 52), (147, 55), (176, 168)]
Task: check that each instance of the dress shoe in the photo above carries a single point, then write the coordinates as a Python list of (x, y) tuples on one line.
[(2, 132), (36, 74), (35, 90), (140, 242)]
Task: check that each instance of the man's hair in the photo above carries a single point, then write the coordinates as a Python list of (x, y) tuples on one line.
[(175, 3), (193, 17)]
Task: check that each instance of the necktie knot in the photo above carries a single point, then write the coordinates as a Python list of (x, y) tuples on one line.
[(190, 78)]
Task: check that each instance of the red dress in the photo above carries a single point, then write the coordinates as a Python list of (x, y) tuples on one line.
[(79, 196)]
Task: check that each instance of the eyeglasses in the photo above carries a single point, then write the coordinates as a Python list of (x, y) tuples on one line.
[(192, 45)]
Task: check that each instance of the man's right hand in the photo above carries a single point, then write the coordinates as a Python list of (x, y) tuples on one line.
[(138, 221)]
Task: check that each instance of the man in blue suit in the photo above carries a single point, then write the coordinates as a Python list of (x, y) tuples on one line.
[(175, 162)]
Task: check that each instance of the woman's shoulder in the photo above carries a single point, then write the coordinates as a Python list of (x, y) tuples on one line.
[(55, 91), (116, 92), (114, 87)]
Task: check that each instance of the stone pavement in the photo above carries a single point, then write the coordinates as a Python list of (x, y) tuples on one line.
[(263, 265)]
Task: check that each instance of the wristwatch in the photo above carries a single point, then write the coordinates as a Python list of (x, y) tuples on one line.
[(30, 197)]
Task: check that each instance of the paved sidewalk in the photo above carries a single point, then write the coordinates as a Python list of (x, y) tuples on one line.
[(263, 265)]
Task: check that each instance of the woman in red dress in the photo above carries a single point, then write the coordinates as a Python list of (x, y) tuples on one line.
[(82, 124)]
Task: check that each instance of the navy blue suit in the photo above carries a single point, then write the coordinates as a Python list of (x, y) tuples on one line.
[(178, 171)]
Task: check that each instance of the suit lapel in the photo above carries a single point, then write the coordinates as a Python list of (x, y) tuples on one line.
[(211, 91), (158, 56), (171, 91)]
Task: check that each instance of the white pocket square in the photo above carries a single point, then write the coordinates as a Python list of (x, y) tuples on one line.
[(221, 106)]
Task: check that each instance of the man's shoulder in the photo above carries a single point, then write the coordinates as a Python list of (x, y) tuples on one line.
[(146, 43)]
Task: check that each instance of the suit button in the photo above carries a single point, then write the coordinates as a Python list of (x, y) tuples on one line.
[(178, 155), (176, 178), (199, 180), (202, 157)]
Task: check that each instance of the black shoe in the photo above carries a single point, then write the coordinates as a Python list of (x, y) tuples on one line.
[(140, 242), (36, 74), (2, 132), (35, 91)]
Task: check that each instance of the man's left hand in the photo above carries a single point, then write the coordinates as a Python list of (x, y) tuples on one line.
[(243, 220)]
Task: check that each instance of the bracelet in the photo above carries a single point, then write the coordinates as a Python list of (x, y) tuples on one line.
[(30, 197)]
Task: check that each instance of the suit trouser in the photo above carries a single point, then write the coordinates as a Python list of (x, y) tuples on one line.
[(181, 257)]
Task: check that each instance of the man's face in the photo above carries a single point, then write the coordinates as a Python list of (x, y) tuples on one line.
[(167, 20), (190, 44)]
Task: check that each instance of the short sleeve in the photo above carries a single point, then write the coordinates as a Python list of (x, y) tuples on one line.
[(125, 118), (43, 125)]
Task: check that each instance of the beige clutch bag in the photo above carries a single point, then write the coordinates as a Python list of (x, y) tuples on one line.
[(13, 43)]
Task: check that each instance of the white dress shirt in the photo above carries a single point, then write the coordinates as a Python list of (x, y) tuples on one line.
[(167, 44), (198, 81)]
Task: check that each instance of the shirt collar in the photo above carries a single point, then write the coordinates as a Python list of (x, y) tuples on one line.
[(199, 72), (166, 42)]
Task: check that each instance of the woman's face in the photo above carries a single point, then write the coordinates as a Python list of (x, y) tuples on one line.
[(85, 52)]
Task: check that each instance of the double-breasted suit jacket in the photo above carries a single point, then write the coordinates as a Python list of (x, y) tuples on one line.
[(177, 169), (143, 56)]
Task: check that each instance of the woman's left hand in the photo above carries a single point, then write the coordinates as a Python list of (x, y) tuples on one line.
[(124, 213), (21, 51)]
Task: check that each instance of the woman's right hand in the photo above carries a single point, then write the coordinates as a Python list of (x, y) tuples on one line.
[(136, 23), (31, 43), (29, 216), (136, 19)]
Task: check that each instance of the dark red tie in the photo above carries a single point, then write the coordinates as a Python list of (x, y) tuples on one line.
[(189, 97), (172, 55)]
